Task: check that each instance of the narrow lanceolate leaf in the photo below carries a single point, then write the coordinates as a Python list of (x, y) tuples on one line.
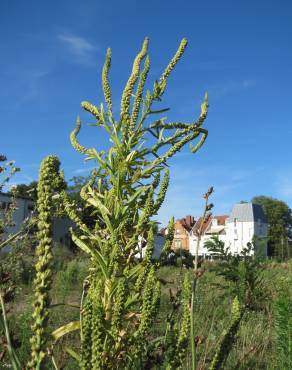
[(66, 329), (93, 252), (81, 244), (97, 203), (73, 354)]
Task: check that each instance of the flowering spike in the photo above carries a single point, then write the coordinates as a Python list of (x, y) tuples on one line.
[(105, 81), (140, 89), (128, 90), (49, 172), (73, 138)]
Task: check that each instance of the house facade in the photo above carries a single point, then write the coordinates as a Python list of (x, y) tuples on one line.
[(245, 224), (182, 229), (24, 209), (215, 226)]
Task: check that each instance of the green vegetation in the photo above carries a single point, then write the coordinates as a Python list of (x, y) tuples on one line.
[(256, 345), (279, 217)]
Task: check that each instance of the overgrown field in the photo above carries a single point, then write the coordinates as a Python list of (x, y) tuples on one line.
[(256, 346)]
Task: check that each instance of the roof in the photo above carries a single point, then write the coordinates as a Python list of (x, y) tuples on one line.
[(247, 212), (8, 195), (215, 229), (220, 221), (187, 222)]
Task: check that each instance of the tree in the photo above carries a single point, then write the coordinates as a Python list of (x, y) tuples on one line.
[(279, 217), (27, 190)]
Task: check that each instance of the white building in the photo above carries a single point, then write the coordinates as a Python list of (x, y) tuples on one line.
[(245, 224), (158, 245), (24, 209)]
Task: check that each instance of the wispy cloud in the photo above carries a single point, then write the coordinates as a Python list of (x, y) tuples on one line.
[(81, 48), (231, 87)]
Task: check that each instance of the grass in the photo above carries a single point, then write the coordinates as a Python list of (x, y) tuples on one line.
[(255, 347)]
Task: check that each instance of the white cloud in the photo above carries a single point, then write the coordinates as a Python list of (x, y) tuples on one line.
[(80, 47)]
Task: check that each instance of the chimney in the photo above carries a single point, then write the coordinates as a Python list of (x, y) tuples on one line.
[(189, 221)]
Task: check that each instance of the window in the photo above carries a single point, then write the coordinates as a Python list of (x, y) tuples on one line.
[(177, 244)]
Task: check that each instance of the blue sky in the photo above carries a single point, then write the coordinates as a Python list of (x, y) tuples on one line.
[(240, 52)]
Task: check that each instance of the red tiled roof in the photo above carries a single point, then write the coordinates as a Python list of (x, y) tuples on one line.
[(187, 222), (220, 220)]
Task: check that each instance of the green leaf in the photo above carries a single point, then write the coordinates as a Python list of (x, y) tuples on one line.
[(81, 244), (73, 354), (159, 111), (136, 194), (94, 253), (65, 329)]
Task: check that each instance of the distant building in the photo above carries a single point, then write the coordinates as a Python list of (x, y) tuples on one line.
[(215, 226), (182, 229), (245, 223), (24, 210), (158, 245)]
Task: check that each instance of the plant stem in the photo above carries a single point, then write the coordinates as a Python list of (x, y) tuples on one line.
[(193, 343), (13, 358)]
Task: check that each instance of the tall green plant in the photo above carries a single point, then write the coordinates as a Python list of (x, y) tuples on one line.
[(49, 180), (228, 339), (244, 271), (283, 325), (121, 295)]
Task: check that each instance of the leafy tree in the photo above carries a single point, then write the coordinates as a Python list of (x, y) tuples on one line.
[(27, 190), (7, 170), (279, 217), (75, 185)]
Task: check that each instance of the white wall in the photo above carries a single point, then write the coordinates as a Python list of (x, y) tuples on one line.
[(202, 250), (60, 226), (237, 236), (23, 210)]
